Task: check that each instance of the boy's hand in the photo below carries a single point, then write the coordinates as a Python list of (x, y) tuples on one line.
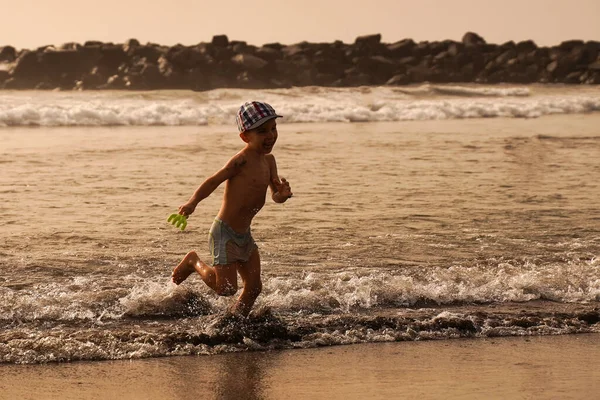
[(187, 209), (284, 191)]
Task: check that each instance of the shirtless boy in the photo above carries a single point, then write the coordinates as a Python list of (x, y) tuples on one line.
[(247, 175)]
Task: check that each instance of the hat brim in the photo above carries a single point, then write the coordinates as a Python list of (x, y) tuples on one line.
[(262, 121)]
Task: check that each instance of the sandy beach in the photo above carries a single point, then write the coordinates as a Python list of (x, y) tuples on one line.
[(547, 367)]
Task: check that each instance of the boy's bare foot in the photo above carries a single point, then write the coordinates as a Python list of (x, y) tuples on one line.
[(185, 267)]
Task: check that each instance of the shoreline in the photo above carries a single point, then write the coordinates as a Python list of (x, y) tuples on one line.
[(565, 366)]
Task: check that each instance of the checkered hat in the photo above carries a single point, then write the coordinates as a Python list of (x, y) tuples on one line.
[(253, 114)]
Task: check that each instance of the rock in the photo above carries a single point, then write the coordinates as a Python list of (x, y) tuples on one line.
[(467, 73), (130, 45), (586, 53), (355, 78), (595, 66), (419, 73), (220, 41), (422, 49), (112, 56), (11, 84), (93, 43), (173, 77), (164, 65), (239, 47), (144, 76), (369, 40), (286, 68), (526, 46), (8, 54), (268, 53), (70, 46), (249, 62), (593, 78), (150, 52), (248, 80), (305, 77), (552, 67), (436, 48), (44, 86), (224, 63), (510, 45), (91, 80), (455, 49), (294, 50), (115, 82), (62, 68), (379, 68), (367, 46), (440, 57), (408, 61), (528, 57), (503, 58), (274, 46), (27, 66), (573, 77), (471, 39), (403, 48), (569, 45), (329, 66), (324, 79), (399, 79), (4, 75), (184, 58), (222, 55), (197, 79)]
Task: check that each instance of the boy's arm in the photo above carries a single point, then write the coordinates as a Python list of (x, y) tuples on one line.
[(280, 189), (230, 169)]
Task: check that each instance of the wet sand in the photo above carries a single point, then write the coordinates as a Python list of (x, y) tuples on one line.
[(546, 367)]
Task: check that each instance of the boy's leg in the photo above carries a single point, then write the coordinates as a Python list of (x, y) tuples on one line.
[(190, 263), (222, 279), (250, 273)]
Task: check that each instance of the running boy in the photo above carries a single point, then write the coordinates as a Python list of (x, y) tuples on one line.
[(248, 174)]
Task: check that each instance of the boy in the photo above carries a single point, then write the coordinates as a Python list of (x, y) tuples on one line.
[(248, 174)]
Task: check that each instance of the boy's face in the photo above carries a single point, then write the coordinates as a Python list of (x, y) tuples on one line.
[(263, 138)]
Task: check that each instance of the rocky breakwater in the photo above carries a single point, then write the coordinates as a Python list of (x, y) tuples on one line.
[(236, 64)]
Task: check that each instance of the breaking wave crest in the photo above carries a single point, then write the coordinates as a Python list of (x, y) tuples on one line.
[(135, 317), (315, 104), (348, 291)]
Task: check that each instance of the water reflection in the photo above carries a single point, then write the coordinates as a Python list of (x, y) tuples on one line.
[(242, 376)]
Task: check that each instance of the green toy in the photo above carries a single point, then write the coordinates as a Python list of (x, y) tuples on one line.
[(178, 220)]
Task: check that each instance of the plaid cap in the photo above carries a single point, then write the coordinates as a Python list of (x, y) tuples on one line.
[(253, 114)]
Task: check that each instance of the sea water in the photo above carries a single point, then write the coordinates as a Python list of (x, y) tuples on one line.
[(422, 212), (310, 104)]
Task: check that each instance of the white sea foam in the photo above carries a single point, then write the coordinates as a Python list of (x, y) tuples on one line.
[(313, 104), (350, 290), (346, 291), (43, 323)]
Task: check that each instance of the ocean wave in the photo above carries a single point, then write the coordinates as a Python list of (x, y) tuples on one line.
[(467, 91), (297, 105), (265, 330), (349, 291), (92, 318)]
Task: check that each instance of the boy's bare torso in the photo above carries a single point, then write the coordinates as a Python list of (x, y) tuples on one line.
[(245, 191)]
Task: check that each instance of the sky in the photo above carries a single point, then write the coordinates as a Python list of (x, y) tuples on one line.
[(33, 23)]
